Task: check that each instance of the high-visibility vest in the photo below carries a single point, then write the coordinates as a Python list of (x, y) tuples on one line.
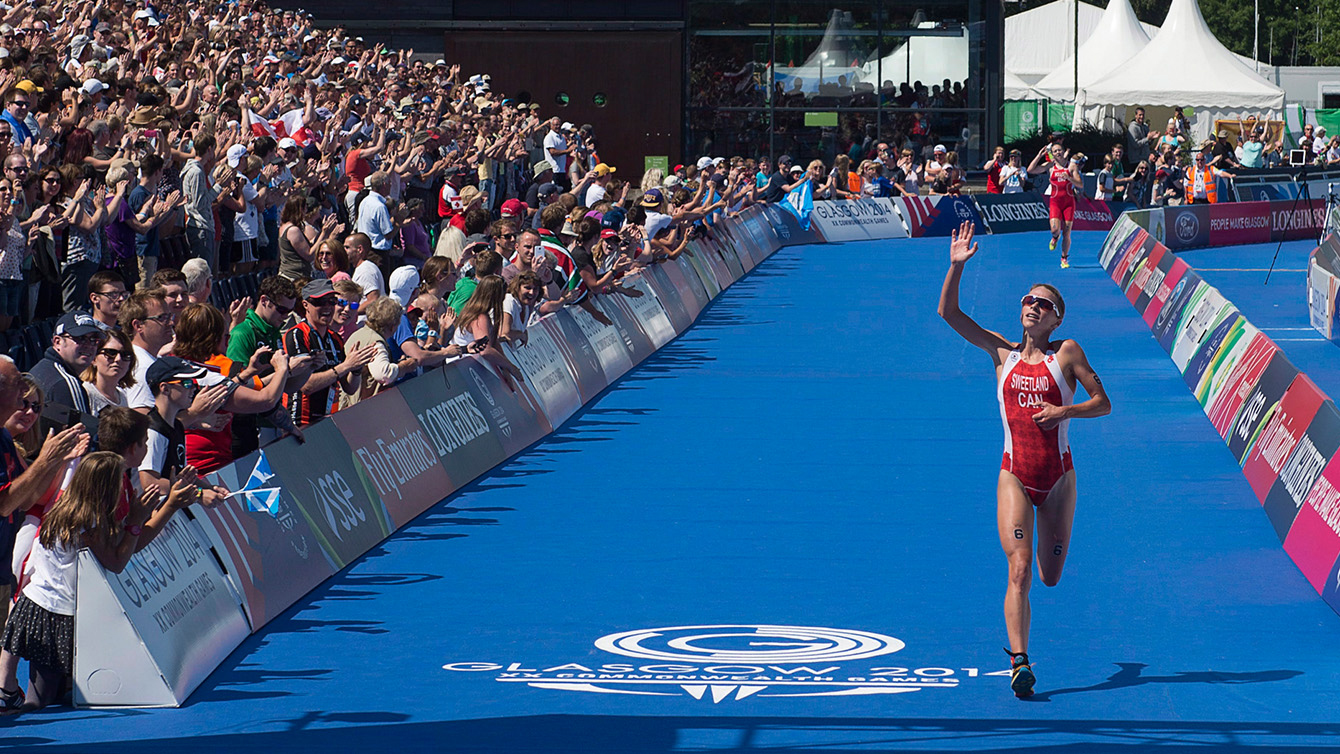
[(1201, 179)]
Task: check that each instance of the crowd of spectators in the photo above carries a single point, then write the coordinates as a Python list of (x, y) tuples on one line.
[(226, 224)]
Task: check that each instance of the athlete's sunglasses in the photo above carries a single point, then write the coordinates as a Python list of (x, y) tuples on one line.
[(1046, 304)]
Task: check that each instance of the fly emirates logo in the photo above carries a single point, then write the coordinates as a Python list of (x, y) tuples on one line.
[(1030, 390)]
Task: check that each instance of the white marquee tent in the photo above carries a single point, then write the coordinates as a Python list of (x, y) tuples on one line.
[(1184, 65), (1016, 89), (1116, 39), (1038, 40)]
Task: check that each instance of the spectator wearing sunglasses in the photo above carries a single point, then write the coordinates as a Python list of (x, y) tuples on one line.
[(73, 348), (174, 383), (311, 401), (112, 371), (17, 104)]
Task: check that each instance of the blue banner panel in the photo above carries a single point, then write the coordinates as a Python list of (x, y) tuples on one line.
[(676, 306), (1013, 213), (512, 409), (576, 350), (463, 432), (1187, 227)]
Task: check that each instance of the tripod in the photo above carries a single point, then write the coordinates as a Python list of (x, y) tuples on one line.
[(1302, 191)]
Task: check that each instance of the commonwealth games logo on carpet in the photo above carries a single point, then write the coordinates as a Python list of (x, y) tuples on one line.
[(712, 644), (735, 662)]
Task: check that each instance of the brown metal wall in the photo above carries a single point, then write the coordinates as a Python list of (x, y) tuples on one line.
[(639, 72)]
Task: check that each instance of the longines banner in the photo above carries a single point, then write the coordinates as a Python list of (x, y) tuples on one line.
[(1013, 213)]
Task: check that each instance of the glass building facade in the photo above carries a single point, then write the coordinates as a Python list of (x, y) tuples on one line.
[(814, 79)]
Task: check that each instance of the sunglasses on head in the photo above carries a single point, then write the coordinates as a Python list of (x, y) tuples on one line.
[(1044, 303)]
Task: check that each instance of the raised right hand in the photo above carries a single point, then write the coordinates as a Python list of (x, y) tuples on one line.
[(961, 247)]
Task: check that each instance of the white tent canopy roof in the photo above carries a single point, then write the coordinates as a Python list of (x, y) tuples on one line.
[(1040, 39), (1118, 37), (1017, 89), (1184, 65)]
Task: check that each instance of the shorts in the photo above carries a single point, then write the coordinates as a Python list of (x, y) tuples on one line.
[(1062, 209), (11, 296)]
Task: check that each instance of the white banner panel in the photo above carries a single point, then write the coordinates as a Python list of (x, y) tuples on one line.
[(857, 220)]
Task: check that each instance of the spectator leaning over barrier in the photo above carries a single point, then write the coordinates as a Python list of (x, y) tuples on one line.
[(201, 333), (523, 296), (174, 383), (73, 347), (41, 627), (250, 342), (477, 326), (486, 262), (312, 400), (1201, 180), (383, 317), (107, 292)]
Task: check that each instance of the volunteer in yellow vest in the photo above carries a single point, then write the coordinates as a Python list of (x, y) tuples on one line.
[(1201, 180)]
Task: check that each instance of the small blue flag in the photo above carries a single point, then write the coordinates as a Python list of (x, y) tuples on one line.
[(800, 200)]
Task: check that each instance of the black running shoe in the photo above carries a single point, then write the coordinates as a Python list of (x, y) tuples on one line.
[(1021, 675)]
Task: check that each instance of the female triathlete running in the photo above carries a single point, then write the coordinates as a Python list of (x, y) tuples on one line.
[(1063, 177), (1035, 384)]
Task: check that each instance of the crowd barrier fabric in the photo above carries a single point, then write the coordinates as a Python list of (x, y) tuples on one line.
[(857, 220), (1323, 286), (1282, 429), (149, 635), (937, 215), (1013, 213)]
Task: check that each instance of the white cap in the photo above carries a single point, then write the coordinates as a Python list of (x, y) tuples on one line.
[(718, 160), (567, 127), (657, 222), (235, 154), (704, 163), (146, 15), (671, 181), (287, 143), (93, 87), (339, 60), (940, 148), (440, 62)]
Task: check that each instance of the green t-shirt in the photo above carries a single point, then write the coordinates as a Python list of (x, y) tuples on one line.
[(250, 334), (465, 288)]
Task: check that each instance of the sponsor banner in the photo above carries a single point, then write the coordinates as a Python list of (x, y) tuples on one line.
[(1291, 221), (715, 256), (1226, 398), (859, 220), (1220, 367), (1280, 438), (548, 374), (1146, 279), (1171, 279), (1314, 538), (1218, 337), (1260, 405), (579, 354), (1013, 213), (324, 482), (174, 597), (393, 456), (1188, 289), (1186, 227), (1093, 214), (728, 250), (685, 280), (937, 215), (1258, 192), (680, 309), (460, 427), (1205, 311), (1299, 474), (511, 406), (786, 226), (1126, 255), (272, 560), (1117, 245), (651, 316), (604, 340), (1239, 223), (695, 263), (1321, 292), (1135, 261), (618, 308)]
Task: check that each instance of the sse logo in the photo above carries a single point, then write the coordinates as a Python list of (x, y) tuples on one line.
[(336, 499), (1187, 226)]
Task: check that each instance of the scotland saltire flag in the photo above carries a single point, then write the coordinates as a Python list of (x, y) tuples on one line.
[(800, 200), (258, 497)]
